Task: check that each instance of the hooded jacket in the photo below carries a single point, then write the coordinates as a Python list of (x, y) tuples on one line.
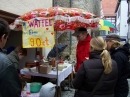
[(13, 57), (120, 55), (10, 85), (82, 51), (89, 74)]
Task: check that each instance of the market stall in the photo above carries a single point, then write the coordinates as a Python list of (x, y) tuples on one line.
[(41, 26)]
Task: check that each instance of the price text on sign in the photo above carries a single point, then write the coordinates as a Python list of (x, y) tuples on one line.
[(38, 42), (38, 33)]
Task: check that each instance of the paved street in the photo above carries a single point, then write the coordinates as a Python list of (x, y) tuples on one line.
[(68, 93)]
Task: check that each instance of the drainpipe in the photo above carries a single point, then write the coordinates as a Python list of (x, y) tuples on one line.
[(70, 32), (70, 3), (54, 3)]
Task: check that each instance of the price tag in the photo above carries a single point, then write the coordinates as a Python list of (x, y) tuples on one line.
[(35, 42)]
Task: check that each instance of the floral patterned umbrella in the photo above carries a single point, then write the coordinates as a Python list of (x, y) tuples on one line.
[(64, 18)]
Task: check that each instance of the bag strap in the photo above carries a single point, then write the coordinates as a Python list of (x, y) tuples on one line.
[(96, 87)]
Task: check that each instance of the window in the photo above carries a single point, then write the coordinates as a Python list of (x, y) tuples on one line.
[(102, 33), (118, 13), (118, 27), (128, 7), (112, 19)]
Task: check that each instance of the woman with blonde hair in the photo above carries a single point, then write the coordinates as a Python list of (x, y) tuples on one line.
[(120, 53), (99, 66)]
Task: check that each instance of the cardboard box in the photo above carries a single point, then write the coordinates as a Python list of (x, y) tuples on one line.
[(44, 69)]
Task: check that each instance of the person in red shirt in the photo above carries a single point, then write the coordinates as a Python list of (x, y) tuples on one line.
[(83, 46)]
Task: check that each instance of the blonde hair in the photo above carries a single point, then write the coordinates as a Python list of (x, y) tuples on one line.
[(99, 44), (116, 44)]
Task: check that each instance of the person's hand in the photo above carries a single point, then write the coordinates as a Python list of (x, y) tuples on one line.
[(20, 76), (86, 58)]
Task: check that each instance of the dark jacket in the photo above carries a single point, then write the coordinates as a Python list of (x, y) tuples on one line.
[(10, 85), (120, 55), (13, 57), (89, 74)]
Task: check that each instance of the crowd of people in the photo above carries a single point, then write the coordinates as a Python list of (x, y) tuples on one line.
[(103, 71), (102, 67)]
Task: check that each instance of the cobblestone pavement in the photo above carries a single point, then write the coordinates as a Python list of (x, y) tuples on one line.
[(68, 93)]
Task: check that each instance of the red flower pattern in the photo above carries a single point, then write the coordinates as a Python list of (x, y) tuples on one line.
[(59, 24)]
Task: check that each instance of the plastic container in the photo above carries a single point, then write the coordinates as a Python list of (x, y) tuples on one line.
[(35, 87), (28, 88)]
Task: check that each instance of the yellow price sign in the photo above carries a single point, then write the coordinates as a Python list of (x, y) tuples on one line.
[(38, 33), (38, 42)]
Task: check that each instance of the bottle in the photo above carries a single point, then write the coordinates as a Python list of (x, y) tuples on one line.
[(37, 64), (37, 56), (28, 88), (53, 62), (41, 60)]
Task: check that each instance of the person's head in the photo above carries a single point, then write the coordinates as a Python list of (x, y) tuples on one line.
[(22, 52), (99, 44), (113, 41), (80, 33), (4, 32)]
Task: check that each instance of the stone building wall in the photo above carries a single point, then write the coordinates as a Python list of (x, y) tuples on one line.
[(92, 6), (20, 7)]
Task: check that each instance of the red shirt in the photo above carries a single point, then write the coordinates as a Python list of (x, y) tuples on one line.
[(82, 51)]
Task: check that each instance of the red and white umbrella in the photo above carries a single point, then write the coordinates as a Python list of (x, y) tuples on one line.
[(64, 18)]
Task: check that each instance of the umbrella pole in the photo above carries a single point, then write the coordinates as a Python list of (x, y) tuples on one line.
[(57, 60), (57, 63), (70, 42), (70, 32)]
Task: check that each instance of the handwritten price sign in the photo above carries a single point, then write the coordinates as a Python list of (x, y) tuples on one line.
[(35, 41), (38, 33)]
